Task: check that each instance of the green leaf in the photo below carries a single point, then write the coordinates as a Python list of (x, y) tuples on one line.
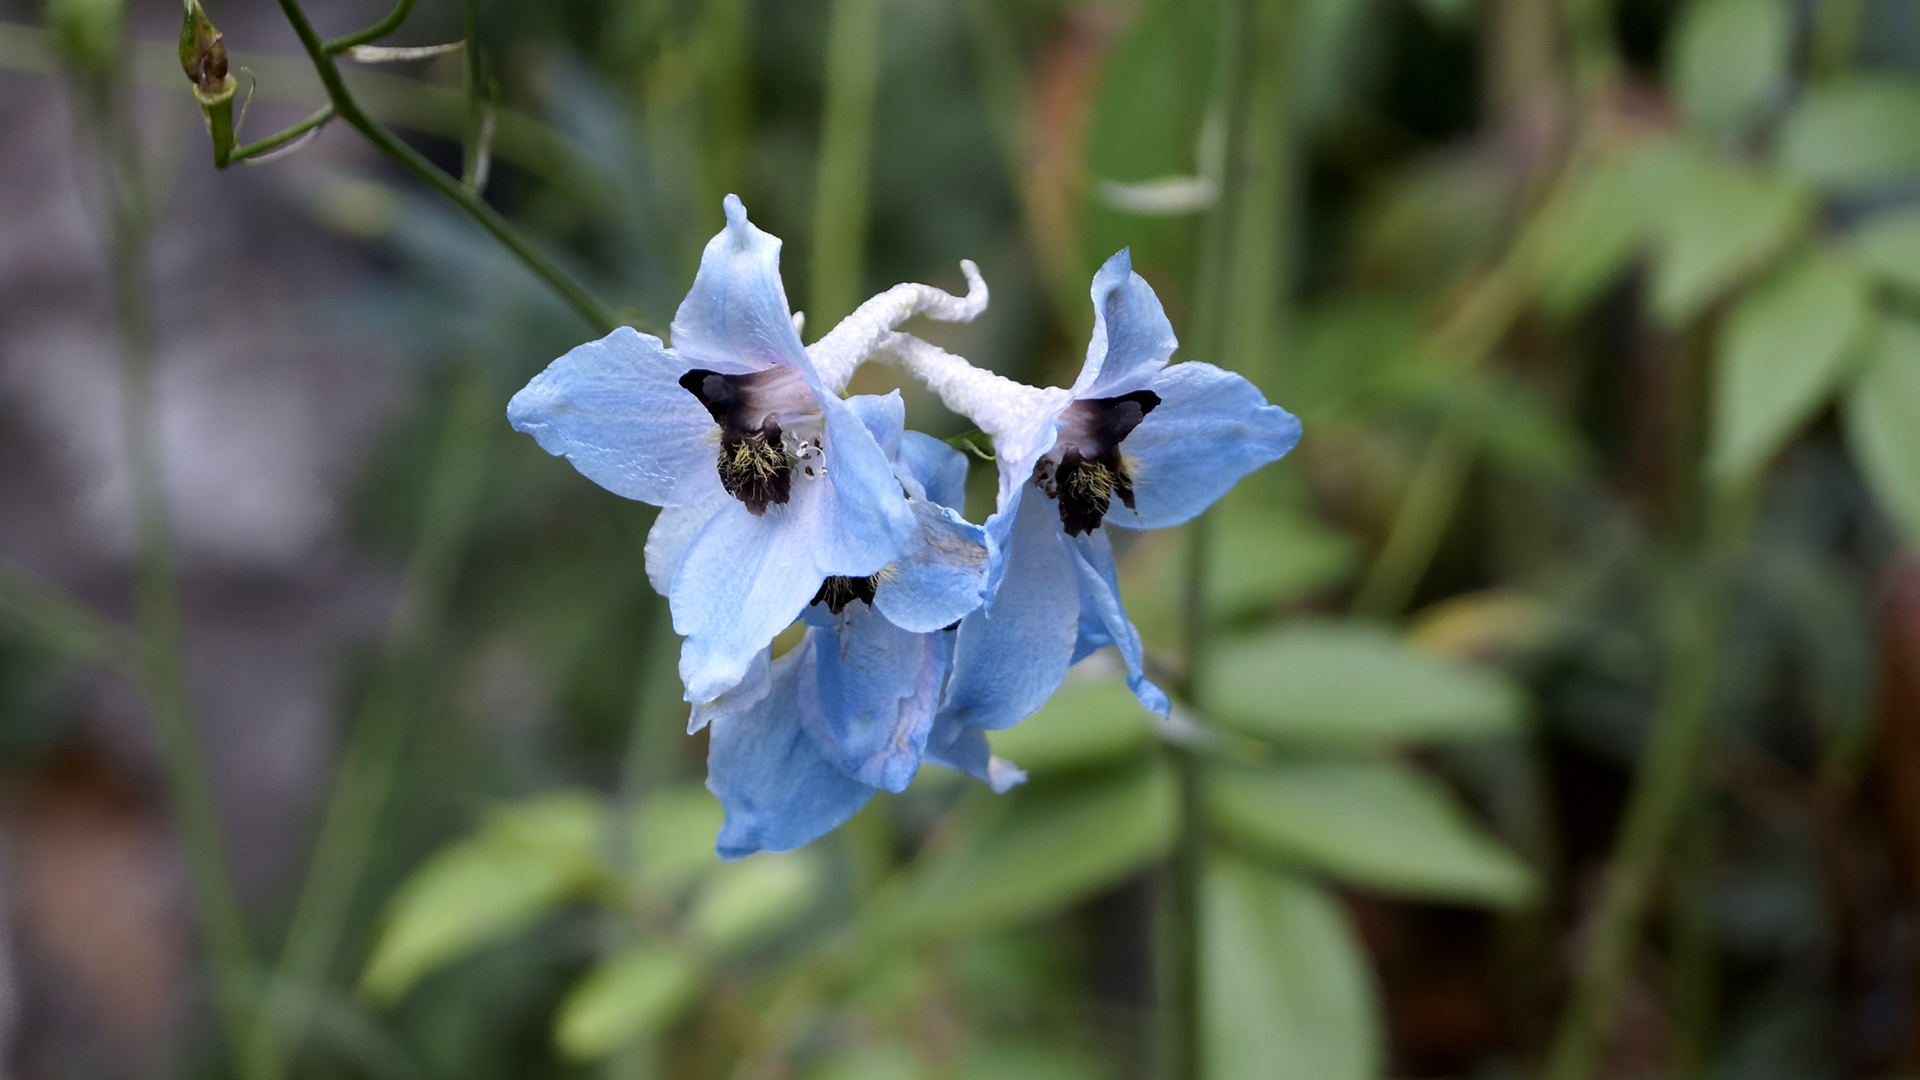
[(1286, 993), (522, 864), (1589, 230), (1728, 58), (1030, 1061), (1883, 424), (628, 995), (1041, 848), (1853, 135), (1334, 684), (884, 1060), (1714, 222), (1372, 822), (1084, 723), (1889, 245), (743, 902), (1780, 356), (673, 831)]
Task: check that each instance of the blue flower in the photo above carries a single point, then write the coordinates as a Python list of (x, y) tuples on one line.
[(769, 482), (1135, 443), (806, 739)]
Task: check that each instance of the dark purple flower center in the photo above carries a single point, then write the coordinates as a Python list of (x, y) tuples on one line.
[(1084, 471), (838, 591), (755, 464)]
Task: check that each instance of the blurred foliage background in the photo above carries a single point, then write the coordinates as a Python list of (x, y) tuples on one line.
[(1553, 710)]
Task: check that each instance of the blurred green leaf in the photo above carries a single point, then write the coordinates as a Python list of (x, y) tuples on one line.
[(743, 902), (1727, 58), (673, 831), (1369, 821), (1029, 1061), (1781, 354), (525, 861), (1854, 134), (1589, 230), (1889, 245), (1042, 848), (630, 994), (1883, 424), (872, 1061), (1352, 685), (1084, 723), (1714, 222), (1287, 994)]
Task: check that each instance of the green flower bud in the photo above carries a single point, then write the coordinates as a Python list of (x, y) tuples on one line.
[(203, 56)]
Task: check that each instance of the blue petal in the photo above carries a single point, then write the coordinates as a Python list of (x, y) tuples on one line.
[(1012, 653), (870, 695), (1132, 338), (939, 470), (1211, 428), (940, 576), (778, 789), (1100, 594), (673, 531), (615, 408), (742, 581), (735, 318), (864, 519), (964, 749), (884, 416)]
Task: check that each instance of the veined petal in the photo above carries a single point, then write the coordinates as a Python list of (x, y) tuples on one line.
[(615, 409), (1012, 653), (863, 515), (757, 683), (884, 416), (941, 574), (1212, 427), (744, 579), (938, 470), (964, 749), (672, 532), (1100, 593), (778, 789), (1132, 338), (735, 319), (870, 695)]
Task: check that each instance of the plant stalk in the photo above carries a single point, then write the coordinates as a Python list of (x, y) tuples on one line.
[(846, 159)]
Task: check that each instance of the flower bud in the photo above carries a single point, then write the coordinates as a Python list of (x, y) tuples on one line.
[(203, 56)]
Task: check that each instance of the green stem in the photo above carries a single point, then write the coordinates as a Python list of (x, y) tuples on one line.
[(1662, 783), (570, 290), (846, 159), (273, 142), (386, 716), (1419, 521), (378, 30), (471, 150), (156, 592), (69, 627)]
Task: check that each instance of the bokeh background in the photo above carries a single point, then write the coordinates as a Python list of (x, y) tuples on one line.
[(1601, 320)]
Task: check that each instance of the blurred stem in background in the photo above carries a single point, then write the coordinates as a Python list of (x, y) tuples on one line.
[(846, 160), (386, 717), (91, 32)]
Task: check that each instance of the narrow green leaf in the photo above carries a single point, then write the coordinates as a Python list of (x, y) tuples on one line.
[(1589, 230), (1889, 245), (1286, 994), (673, 831), (1084, 723), (1883, 424), (1042, 848), (630, 994), (1714, 222), (1334, 684), (1370, 821), (1728, 58), (1855, 134), (745, 901), (1780, 356)]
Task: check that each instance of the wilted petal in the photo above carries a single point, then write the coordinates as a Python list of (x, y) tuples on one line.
[(1100, 594), (1131, 335), (615, 409), (1212, 427), (870, 695)]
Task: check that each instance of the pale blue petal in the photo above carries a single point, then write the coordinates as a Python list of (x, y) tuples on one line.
[(1131, 335), (743, 580), (616, 410), (864, 519), (1100, 592), (1012, 653), (964, 749), (778, 789), (757, 683), (939, 470), (884, 416), (735, 318), (673, 530), (1093, 632), (940, 576), (1211, 428), (870, 695)]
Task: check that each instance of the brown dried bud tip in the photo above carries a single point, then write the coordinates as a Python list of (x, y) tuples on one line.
[(203, 51)]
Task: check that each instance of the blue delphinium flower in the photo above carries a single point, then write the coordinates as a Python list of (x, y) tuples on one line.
[(770, 484), (806, 739), (1135, 442)]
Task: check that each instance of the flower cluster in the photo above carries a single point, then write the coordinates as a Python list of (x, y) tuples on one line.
[(783, 501)]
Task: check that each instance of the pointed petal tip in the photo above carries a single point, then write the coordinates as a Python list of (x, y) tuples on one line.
[(736, 210), (1003, 775)]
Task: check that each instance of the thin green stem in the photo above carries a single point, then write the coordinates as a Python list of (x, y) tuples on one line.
[(388, 25), (162, 666), (1419, 521), (570, 290), (273, 142), (846, 159), (472, 145), (387, 715), (66, 625)]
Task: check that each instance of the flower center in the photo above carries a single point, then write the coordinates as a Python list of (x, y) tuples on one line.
[(1084, 471), (838, 591), (758, 456)]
